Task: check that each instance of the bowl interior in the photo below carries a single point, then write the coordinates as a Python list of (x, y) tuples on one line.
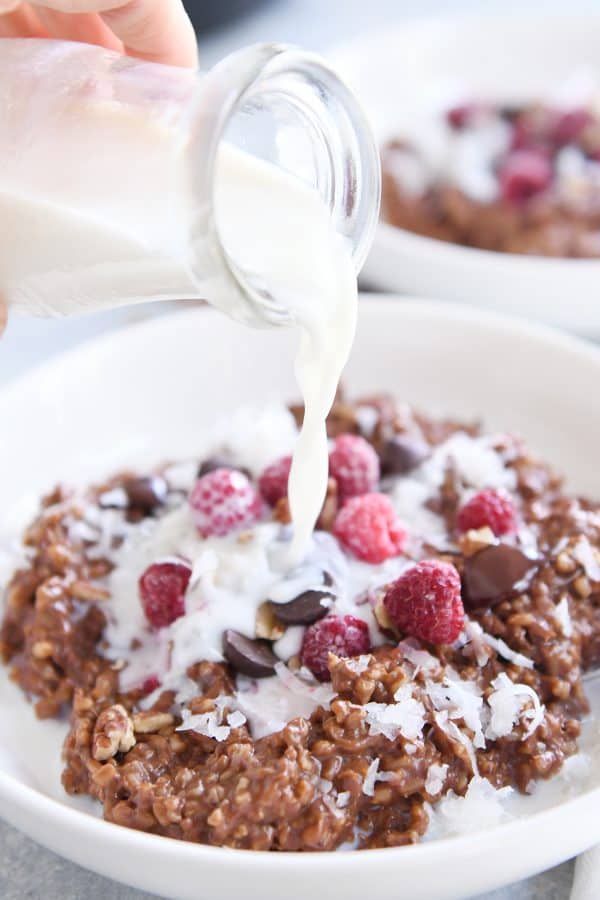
[(146, 393)]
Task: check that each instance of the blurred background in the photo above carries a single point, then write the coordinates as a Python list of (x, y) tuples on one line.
[(224, 26)]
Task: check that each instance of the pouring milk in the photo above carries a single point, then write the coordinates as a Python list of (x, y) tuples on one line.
[(99, 209)]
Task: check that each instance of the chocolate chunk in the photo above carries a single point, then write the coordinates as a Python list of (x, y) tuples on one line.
[(145, 494), (217, 462), (303, 609), (496, 573), (401, 454), (250, 657)]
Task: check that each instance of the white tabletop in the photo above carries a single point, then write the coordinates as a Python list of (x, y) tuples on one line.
[(26, 870)]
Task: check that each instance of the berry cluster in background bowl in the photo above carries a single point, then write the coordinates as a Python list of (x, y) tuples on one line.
[(518, 178), (420, 663)]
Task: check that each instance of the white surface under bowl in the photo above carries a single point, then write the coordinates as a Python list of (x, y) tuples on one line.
[(148, 391), (405, 68)]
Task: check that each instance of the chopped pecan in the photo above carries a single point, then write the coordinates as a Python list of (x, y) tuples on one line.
[(113, 733)]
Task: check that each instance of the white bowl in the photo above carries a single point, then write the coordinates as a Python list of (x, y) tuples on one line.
[(510, 58), (147, 392)]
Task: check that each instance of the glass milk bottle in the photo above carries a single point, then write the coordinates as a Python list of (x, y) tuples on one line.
[(109, 169)]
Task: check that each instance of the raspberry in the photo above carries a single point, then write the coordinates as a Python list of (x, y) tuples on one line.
[(224, 500), (342, 635), (273, 483), (150, 684), (425, 602), (458, 117), (524, 174), (368, 527), (162, 591), (493, 508), (355, 466), (569, 125)]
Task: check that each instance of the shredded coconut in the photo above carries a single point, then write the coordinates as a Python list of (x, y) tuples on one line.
[(584, 554), (481, 807), (422, 660), (563, 617), (343, 799), (509, 703), (476, 634), (436, 775), (358, 664), (453, 731), (406, 716), (461, 700), (368, 787), (207, 724)]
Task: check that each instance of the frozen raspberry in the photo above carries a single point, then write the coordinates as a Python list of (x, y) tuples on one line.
[(368, 527), (569, 125), (425, 602), (458, 117), (493, 508), (355, 466), (224, 500), (342, 635), (162, 591), (273, 483), (150, 684), (524, 174)]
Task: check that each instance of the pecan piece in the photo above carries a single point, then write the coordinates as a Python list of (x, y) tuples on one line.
[(113, 733)]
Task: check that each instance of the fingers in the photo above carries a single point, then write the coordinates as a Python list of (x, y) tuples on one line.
[(19, 20), (86, 27), (156, 30), (2, 316)]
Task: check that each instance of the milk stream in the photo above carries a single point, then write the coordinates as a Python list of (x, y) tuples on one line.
[(282, 232), (270, 223)]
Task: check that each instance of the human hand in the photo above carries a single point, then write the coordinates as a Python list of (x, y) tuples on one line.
[(155, 30)]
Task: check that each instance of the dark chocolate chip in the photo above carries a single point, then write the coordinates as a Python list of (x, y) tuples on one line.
[(217, 462), (401, 454), (250, 657), (496, 573), (303, 609), (510, 112), (145, 494)]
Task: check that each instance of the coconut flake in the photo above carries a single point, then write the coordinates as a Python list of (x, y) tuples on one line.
[(358, 664), (406, 716), (368, 787), (236, 719), (116, 497), (508, 705), (342, 800), (475, 633), (480, 808), (181, 476), (367, 418), (461, 700), (208, 724), (584, 554), (563, 617), (442, 720), (422, 660), (436, 776)]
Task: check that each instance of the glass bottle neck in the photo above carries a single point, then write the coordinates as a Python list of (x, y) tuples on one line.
[(306, 131)]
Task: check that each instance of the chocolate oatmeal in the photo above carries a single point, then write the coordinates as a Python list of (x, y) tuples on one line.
[(429, 647), (517, 179)]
